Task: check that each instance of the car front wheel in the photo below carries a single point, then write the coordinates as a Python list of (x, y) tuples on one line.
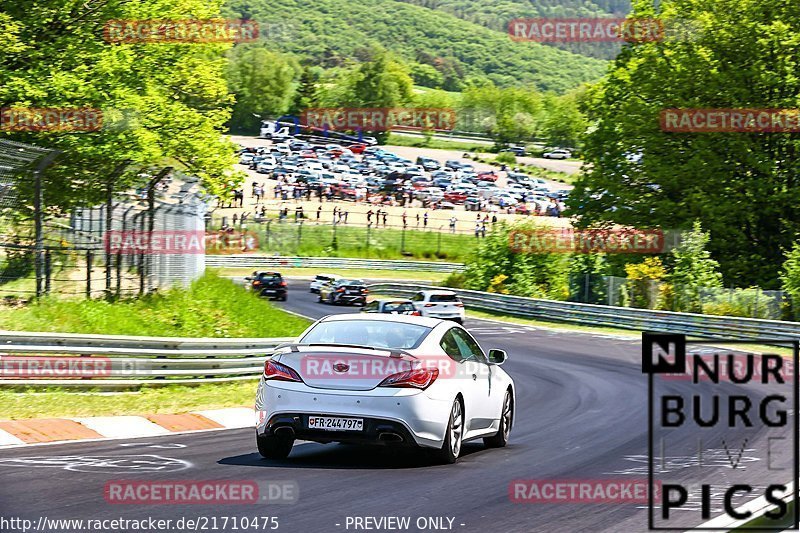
[(272, 447), (500, 439)]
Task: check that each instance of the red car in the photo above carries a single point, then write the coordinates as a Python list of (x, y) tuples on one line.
[(487, 175), (455, 197), (357, 148), (308, 154)]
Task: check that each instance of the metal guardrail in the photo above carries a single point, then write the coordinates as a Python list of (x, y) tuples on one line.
[(733, 328), (111, 361), (271, 261)]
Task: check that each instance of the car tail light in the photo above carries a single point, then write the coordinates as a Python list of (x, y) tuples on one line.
[(340, 290), (256, 283), (279, 372), (419, 378), (416, 313), (430, 305), (283, 283), (458, 304), (365, 291)]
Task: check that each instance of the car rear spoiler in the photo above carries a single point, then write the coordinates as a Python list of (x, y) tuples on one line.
[(393, 352)]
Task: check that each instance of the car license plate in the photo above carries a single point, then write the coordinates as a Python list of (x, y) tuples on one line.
[(335, 424)]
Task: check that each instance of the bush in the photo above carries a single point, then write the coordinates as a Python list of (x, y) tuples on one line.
[(507, 158), (752, 303), (455, 280)]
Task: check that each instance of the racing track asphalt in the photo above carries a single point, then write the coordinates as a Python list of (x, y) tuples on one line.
[(581, 414)]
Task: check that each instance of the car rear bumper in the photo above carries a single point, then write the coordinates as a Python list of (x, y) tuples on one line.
[(412, 415), (351, 299)]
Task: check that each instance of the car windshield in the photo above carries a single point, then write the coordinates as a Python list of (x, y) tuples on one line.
[(378, 333)]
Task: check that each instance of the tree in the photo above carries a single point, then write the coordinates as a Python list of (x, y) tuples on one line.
[(790, 278), (736, 54), (305, 97), (693, 271), (161, 104), (262, 82)]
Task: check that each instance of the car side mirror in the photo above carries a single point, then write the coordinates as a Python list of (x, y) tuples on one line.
[(497, 357)]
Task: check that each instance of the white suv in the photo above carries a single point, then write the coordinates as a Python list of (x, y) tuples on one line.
[(439, 304), (320, 280)]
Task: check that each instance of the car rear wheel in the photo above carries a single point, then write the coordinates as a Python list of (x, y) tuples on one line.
[(272, 447), (330, 299), (500, 439), (451, 448)]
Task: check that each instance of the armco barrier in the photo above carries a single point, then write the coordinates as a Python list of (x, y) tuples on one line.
[(132, 361), (622, 317), (271, 261)]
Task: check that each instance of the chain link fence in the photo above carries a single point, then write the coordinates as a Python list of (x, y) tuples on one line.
[(46, 252)]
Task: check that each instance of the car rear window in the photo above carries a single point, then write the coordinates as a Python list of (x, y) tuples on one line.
[(378, 333), (443, 298), (398, 307)]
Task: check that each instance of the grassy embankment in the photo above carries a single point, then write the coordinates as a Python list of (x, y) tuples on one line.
[(211, 307)]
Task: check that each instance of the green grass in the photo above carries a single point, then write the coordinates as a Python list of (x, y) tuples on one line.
[(442, 144), (357, 241), (211, 307), (55, 403)]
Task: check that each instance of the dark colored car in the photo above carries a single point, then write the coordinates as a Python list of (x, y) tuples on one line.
[(472, 204), (392, 307), (268, 284), (344, 292)]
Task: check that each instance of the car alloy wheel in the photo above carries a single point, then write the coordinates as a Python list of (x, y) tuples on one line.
[(456, 428), (451, 447), (500, 439)]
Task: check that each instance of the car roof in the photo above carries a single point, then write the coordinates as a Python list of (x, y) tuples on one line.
[(438, 292), (407, 319), (393, 300)]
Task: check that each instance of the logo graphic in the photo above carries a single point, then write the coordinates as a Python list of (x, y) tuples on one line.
[(722, 434), (586, 30), (379, 118), (341, 367)]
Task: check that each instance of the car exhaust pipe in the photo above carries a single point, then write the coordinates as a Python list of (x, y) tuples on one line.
[(284, 432), (388, 436)]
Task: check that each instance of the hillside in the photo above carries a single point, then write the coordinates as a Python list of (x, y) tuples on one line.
[(331, 32), (496, 15)]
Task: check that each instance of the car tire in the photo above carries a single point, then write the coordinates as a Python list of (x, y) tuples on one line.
[(272, 447), (330, 300), (451, 448), (500, 439), (283, 298), (459, 321)]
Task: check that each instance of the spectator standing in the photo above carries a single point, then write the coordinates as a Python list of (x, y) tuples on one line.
[(369, 217), (453, 224), (345, 216), (425, 219), (319, 213), (477, 230), (405, 219), (385, 215)]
